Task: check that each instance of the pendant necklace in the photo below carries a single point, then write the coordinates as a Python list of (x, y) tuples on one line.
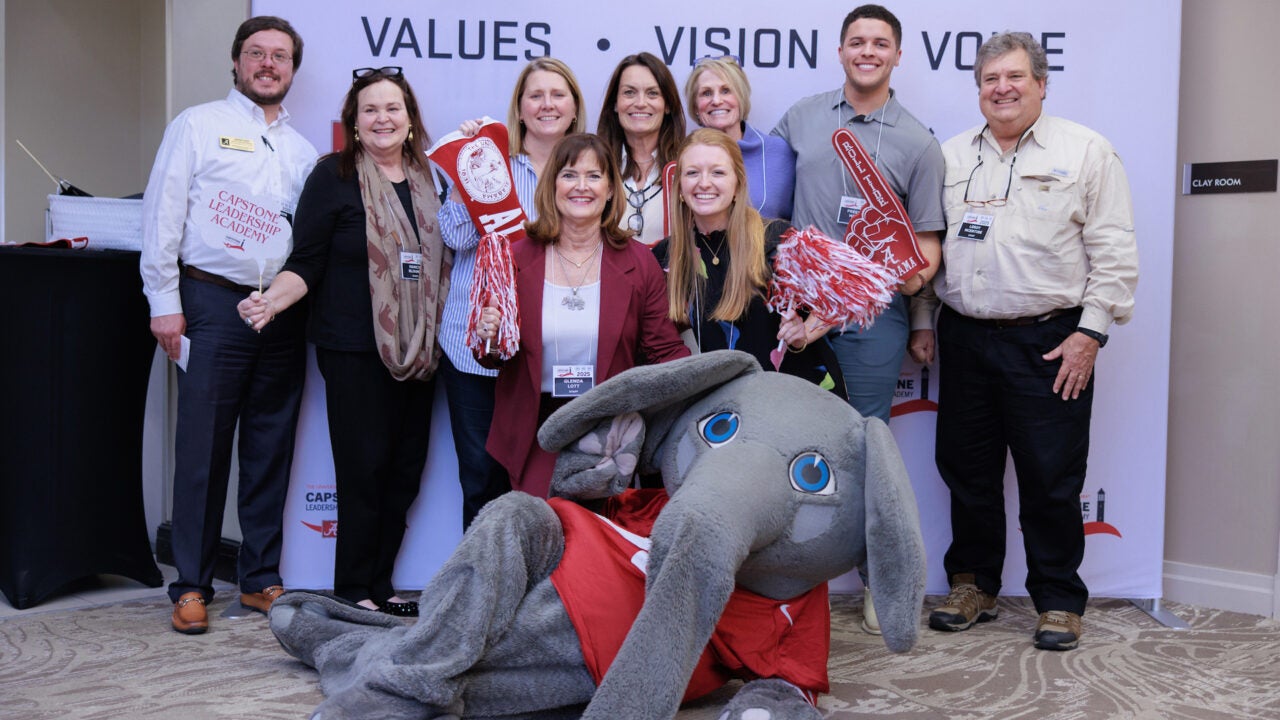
[(572, 301), (715, 254)]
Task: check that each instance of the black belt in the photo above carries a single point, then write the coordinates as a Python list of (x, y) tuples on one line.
[(196, 273), (1014, 322)]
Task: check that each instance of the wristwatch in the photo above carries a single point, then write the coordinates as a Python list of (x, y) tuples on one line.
[(1100, 337)]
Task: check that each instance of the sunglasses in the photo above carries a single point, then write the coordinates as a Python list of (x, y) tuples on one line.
[(388, 71), (736, 60)]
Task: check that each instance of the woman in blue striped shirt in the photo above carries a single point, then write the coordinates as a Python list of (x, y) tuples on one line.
[(546, 105)]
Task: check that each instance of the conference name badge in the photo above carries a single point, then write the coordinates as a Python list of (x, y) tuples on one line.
[(235, 143), (975, 226), (571, 380), (410, 265), (849, 206)]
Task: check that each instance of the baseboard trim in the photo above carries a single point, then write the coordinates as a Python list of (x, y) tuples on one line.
[(1252, 593), (224, 568)]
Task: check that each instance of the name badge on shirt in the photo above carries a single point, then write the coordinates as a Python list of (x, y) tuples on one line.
[(975, 226), (235, 143), (410, 265), (849, 206), (572, 380)]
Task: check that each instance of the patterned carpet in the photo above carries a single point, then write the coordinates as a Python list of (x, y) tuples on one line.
[(123, 661)]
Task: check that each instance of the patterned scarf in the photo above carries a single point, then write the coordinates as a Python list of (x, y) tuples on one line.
[(406, 313)]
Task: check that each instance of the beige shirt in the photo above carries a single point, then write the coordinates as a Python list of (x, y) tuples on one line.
[(1064, 239)]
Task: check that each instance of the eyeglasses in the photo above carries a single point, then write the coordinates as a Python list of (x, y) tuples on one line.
[(997, 202), (278, 57), (388, 71), (637, 199)]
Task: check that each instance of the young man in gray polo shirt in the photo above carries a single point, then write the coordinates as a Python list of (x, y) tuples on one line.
[(908, 156)]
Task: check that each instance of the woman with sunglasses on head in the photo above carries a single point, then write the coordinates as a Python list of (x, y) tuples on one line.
[(642, 122), (546, 105), (719, 259), (368, 254), (719, 97), (592, 303)]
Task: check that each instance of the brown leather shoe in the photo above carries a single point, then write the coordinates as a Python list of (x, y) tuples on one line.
[(261, 600), (189, 615)]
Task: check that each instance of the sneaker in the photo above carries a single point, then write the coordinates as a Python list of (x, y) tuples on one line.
[(964, 606), (870, 623), (1058, 630)]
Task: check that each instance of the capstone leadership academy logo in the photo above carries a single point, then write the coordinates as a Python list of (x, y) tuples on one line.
[(482, 171), (1093, 511), (912, 393), (326, 528)]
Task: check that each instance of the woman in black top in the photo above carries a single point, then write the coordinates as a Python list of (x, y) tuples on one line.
[(719, 259), (368, 252)]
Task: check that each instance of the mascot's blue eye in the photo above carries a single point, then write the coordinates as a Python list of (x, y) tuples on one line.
[(719, 429), (811, 474)]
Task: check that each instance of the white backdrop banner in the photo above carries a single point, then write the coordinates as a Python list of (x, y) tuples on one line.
[(463, 58)]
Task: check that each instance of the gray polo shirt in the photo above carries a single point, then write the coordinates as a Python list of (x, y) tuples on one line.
[(906, 152)]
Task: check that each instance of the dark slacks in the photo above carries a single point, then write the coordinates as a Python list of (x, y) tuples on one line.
[(233, 374), (996, 397), (470, 415), (379, 429)]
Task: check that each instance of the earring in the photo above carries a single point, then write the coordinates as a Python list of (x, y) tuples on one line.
[(356, 130), (410, 138)]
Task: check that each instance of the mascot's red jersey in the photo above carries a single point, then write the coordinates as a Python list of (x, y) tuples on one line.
[(601, 582)]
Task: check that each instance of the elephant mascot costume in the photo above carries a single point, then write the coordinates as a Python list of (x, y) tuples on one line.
[(608, 602)]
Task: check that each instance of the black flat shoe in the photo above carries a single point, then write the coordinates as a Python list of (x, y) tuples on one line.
[(399, 609)]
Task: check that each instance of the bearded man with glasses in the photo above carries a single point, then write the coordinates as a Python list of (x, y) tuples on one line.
[(224, 184), (1039, 261)]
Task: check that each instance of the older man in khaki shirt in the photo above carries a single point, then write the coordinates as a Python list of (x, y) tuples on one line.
[(1039, 261)]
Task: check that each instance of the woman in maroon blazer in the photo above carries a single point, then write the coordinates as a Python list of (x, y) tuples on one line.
[(592, 303)]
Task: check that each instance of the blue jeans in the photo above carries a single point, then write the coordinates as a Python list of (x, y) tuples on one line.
[(871, 360), (470, 414)]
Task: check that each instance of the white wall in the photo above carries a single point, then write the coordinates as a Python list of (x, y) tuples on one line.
[(1223, 512), (73, 89)]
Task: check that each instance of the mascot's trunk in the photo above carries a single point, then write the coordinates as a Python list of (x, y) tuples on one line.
[(700, 539)]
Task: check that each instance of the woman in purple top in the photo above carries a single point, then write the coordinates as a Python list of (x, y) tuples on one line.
[(719, 97)]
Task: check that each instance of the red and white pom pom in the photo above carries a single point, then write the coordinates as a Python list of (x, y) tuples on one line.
[(835, 282), (494, 283)]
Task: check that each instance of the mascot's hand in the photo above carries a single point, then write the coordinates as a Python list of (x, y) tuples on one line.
[(601, 463)]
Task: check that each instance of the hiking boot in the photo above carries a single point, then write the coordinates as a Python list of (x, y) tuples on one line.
[(1058, 630), (964, 606)]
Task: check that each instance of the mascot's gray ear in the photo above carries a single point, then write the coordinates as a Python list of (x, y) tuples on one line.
[(600, 435), (895, 547)]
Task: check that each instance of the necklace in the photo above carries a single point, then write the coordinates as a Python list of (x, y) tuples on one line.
[(584, 261), (572, 301), (715, 254)]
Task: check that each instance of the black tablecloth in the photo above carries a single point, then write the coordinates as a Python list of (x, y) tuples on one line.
[(74, 366)]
